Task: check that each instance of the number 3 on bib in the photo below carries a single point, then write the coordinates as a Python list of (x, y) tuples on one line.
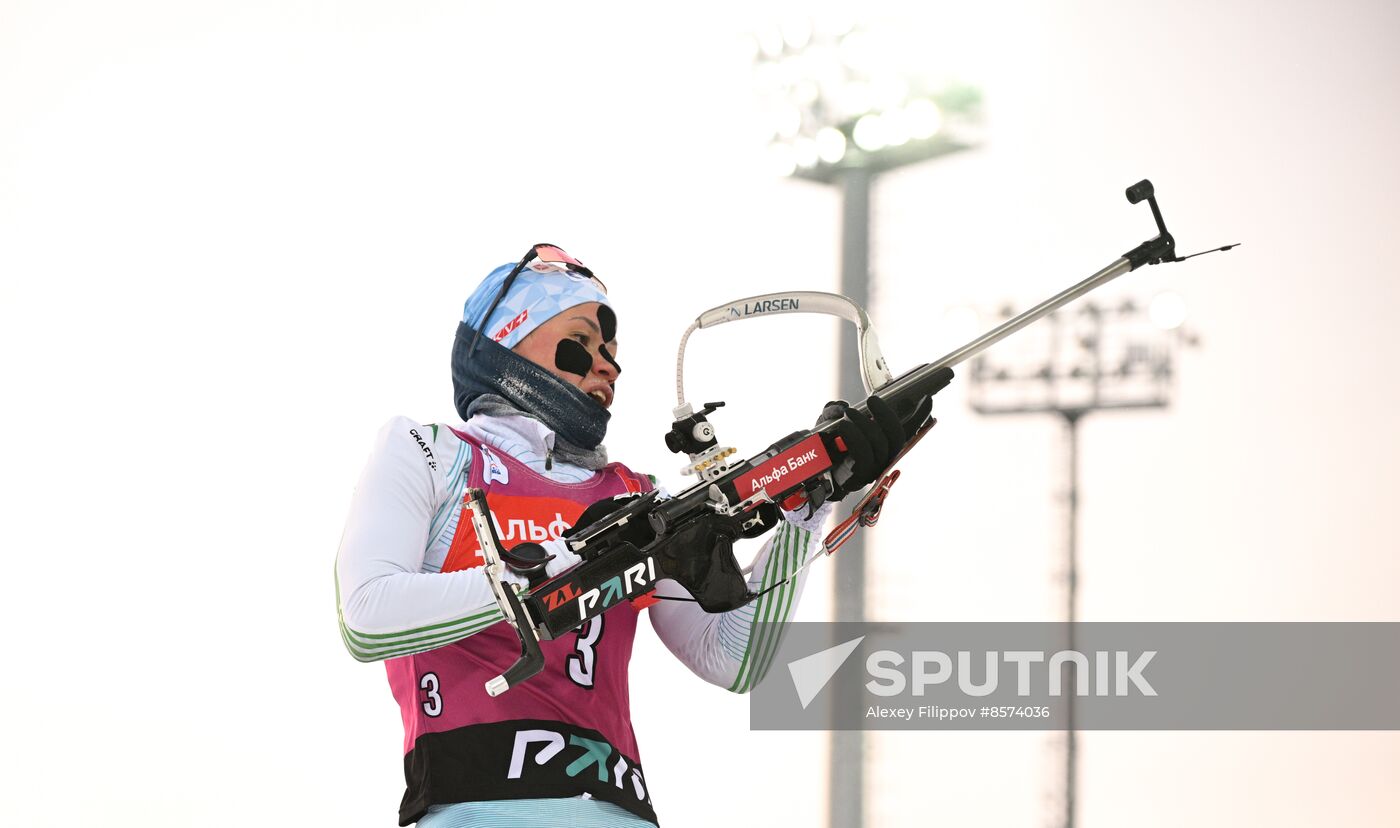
[(432, 698), (581, 662)]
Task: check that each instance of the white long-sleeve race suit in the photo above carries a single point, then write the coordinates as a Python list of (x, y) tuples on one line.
[(397, 603)]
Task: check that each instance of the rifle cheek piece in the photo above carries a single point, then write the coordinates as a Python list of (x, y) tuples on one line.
[(527, 559)]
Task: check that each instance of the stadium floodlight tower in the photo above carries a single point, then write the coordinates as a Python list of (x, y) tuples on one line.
[(841, 112), (1097, 357)]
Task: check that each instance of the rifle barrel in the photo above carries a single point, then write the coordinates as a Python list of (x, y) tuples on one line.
[(907, 388)]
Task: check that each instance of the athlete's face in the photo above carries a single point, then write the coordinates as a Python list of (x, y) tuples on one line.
[(573, 347)]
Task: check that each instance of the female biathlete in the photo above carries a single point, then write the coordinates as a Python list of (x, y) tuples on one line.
[(534, 371)]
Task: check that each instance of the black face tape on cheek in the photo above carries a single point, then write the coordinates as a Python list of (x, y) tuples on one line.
[(603, 349), (607, 321), (572, 357)]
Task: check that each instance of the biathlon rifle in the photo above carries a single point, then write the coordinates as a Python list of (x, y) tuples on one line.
[(629, 544)]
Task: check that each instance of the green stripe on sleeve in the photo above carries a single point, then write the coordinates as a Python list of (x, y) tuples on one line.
[(377, 646), (773, 608), (379, 652)]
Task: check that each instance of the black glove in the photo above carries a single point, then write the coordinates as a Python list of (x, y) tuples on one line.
[(913, 421), (872, 441), (700, 557)]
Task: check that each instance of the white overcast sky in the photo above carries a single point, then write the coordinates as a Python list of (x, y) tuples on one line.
[(235, 238)]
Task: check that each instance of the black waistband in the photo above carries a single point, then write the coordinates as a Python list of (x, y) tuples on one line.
[(519, 759)]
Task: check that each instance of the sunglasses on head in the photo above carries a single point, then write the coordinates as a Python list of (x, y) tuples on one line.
[(541, 258)]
